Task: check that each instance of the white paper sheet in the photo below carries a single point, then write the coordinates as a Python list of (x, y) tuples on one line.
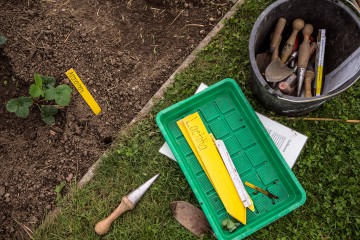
[(289, 142)]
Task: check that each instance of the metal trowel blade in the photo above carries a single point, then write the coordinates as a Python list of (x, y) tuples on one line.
[(191, 217), (262, 61), (277, 71)]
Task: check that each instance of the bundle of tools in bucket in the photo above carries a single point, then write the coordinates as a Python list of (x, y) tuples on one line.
[(292, 72)]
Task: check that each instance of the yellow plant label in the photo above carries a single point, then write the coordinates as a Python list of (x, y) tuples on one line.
[(319, 80), (79, 85), (209, 158)]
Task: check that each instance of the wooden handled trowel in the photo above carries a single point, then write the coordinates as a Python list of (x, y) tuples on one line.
[(278, 71), (264, 59), (127, 203)]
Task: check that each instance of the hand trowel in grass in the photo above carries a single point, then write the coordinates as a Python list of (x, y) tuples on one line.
[(128, 202)]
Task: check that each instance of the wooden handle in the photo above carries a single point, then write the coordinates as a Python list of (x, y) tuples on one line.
[(356, 4), (275, 54), (277, 33), (285, 88), (304, 49), (298, 24), (103, 226), (313, 47), (309, 77)]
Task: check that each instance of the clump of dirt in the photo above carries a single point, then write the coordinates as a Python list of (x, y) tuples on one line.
[(122, 50)]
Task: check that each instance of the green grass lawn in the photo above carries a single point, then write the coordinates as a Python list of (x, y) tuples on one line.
[(328, 167)]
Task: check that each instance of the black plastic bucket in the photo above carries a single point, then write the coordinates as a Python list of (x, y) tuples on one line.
[(342, 54)]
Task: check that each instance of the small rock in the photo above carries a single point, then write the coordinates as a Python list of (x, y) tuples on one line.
[(202, 32), (69, 177), (77, 130), (7, 195), (2, 191), (33, 135), (211, 19), (57, 129), (66, 81)]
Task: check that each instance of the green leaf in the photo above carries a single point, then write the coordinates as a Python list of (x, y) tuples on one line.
[(12, 105), (58, 190), (50, 93), (19, 106), (49, 120), (47, 114), (225, 221), (230, 225), (61, 94), (25, 101), (38, 80), (48, 110), (2, 40), (22, 112), (48, 82), (35, 91), (232, 229)]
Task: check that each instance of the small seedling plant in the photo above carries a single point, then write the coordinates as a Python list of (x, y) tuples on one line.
[(229, 224), (45, 95)]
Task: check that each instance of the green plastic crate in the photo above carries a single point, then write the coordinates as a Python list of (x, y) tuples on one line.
[(228, 115)]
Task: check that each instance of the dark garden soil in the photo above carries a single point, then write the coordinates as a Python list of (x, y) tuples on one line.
[(122, 50)]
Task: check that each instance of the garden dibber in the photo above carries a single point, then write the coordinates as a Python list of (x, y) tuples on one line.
[(128, 202)]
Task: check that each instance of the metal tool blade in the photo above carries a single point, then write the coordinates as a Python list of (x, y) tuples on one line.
[(277, 71), (136, 195)]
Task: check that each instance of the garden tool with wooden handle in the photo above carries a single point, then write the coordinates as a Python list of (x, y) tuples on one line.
[(309, 78), (304, 54), (274, 56), (264, 59), (278, 71), (127, 203), (356, 4), (288, 85), (297, 25)]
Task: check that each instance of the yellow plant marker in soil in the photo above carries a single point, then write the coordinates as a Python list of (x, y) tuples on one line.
[(79, 85), (213, 165)]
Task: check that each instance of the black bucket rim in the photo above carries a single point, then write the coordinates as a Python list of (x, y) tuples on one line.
[(293, 99)]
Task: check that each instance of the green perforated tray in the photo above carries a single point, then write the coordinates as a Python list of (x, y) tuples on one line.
[(227, 114)]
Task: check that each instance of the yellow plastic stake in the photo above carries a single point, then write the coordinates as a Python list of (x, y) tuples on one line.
[(79, 85), (212, 162)]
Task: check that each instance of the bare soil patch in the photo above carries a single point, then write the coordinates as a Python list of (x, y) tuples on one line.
[(122, 50)]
